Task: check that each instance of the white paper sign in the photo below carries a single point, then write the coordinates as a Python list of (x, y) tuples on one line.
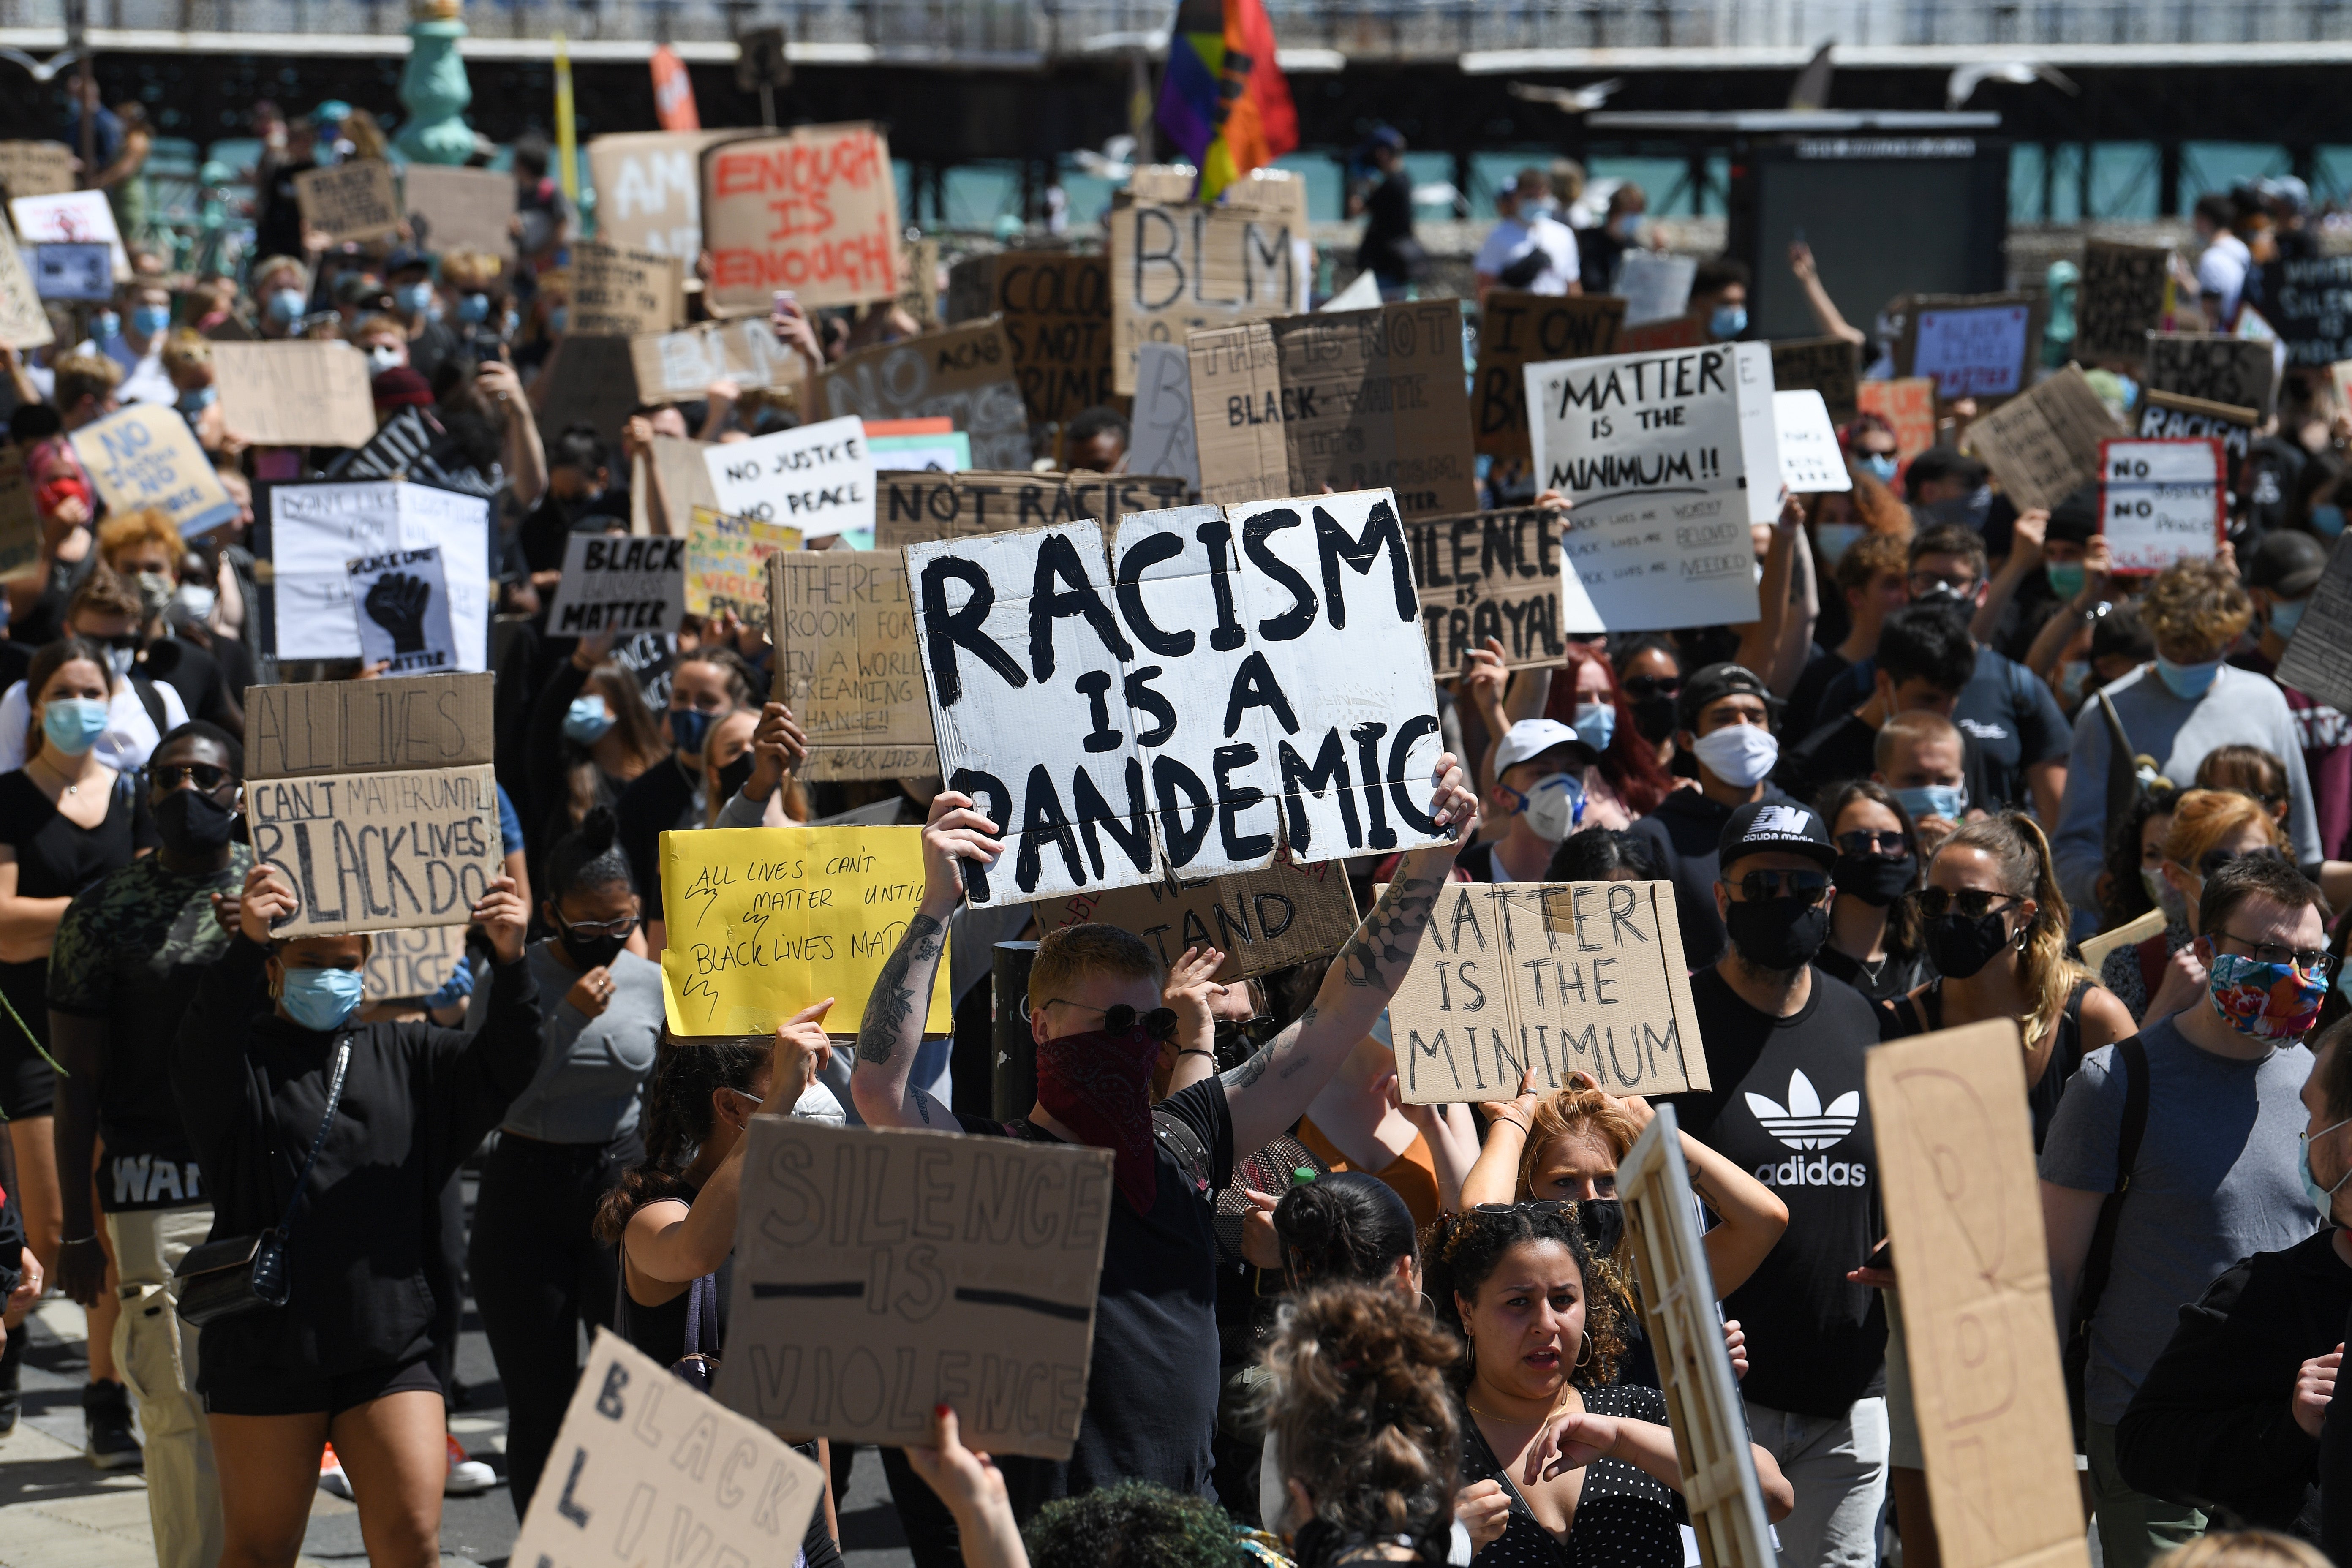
[(70, 217), (1810, 459), (633, 583), (1649, 448), (818, 478), (1656, 288), (2161, 501), (649, 1469), (1258, 678), (401, 602), (1970, 353), (1161, 439), (316, 529)]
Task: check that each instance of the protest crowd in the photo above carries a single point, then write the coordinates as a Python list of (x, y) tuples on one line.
[(699, 741)]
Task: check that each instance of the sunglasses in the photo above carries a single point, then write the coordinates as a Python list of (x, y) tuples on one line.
[(1640, 685), (1975, 903), (1805, 887), (2315, 962), (1158, 1025), (2213, 860), (620, 928), (169, 776), (1888, 842)]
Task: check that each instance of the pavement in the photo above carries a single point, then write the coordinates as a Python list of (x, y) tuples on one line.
[(57, 1512)]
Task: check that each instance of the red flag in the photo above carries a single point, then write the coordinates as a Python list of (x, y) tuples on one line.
[(674, 92)]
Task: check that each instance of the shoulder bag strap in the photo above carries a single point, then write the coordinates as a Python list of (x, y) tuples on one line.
[(2133, 1055), (334, 1098)]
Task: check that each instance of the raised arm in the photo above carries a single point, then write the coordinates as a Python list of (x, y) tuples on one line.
[(1825, 312), (893, 1026), (1272, 1089)]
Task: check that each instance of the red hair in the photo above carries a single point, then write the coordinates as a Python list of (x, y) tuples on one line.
[(1631, 763)]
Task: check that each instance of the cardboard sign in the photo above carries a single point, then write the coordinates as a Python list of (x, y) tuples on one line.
[(70, 217), (145, 456), (645, 1466), (649, 189), (1557, 978), (20, 521), (844, 629), (1654, 450), (964, 373), (2318, 658), (879, 1274), (763, 921), (24, 324), (637, 584), (35, 168), (376, 798), (1517, 329), (1909, 404), (81, 273), (818, 478), (2213, 368), (1964, 1210), (1237, 371), (726, 565), (351, 201), (1810, 460), (1720, 1489), (1830, 366), (2165, 416), (294, 394), (1177, 269), (1972, 350), (594, 384), (1244, 653), (1161, 439), (1490, 575), (917, 508), (2162, 501), (1263, 921), (1657, 286), (2313, 312), (459, 209), (403, 604), (404, 964), (315, 529), (1674, 332), (620, 293), (814, 211), (2044, 445), (2122, 301), (685, 363), (1055, 307)]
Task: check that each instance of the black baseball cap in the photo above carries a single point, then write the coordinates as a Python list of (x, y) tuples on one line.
[(1714, 682), (1764, 824), (2288, 562)]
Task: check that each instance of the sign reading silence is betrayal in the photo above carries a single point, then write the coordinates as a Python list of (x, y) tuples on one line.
[(1257, 678), (878, 1274)]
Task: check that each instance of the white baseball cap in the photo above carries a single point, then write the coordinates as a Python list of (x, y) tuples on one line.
[(1532, 738)]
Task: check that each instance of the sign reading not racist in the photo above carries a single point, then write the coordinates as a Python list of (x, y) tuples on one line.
[(1256, 677)]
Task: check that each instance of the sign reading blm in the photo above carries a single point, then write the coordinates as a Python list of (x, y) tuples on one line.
[(1257, 678)]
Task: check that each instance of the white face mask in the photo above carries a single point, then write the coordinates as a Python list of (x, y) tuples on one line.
[(382, 357), (1554, 803), (1739, 755)]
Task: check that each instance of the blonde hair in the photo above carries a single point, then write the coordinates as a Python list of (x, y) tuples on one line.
[(1916, 727), (186, 349), (2021, 855), (2243, 1548), (1571, 1113), (1089, 949), (468, 268), (2203, 817), (2196, 604)]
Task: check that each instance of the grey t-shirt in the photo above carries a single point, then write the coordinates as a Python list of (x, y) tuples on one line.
[(2216, 1180), (586, 1087)]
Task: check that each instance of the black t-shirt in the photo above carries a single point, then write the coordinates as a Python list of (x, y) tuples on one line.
[(1804, 714), (429, 349), (1787, 1107), (57, 859), (1844, 748), (195, 674), (1388, 228), (663, 798), (1151, 1385)]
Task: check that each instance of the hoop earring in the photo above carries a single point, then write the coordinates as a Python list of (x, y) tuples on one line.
[(1585, 1359)]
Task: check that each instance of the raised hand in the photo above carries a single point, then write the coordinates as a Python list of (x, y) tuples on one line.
[(502, 915), (956, 831), (269, 898), (803, 1050)]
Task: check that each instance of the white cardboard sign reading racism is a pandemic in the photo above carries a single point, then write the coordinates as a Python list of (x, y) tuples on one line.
[(818, 478), (2162, 501), (1667, 458), (618, 582), (401, 604), (317, 529), (1256, 679), (1810, 458)]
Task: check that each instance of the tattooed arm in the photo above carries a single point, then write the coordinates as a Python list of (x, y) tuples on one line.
[(1271, 1090), (893, 1025)]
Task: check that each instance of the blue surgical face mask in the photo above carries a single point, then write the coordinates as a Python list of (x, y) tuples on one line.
[(199, 400), (473, 309), (321, 999), (73, 724), (2287, 615), (1947, 801), (1879, 466), (586, 721), (2066, 577), (1596, 724), (148, 321), (414, 298), (108, 325), (1831, 540), (2327, 520), (688, 728), (2187, 682), (559, 319), (1729, 321), (286, 306)]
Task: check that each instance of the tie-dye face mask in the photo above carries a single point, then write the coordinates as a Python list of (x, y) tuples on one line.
[(2267, 1001)]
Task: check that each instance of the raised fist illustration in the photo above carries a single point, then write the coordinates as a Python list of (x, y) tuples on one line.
[(398, 603)]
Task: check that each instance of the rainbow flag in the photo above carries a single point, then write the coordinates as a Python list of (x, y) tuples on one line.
[(1223, 100)]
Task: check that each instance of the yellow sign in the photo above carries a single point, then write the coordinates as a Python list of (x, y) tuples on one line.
[(764, 921)]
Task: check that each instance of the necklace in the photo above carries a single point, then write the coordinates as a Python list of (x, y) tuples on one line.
[(1516, 1420), (71, 787)]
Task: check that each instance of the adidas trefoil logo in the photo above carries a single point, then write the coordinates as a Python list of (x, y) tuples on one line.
[(1803, 1123)]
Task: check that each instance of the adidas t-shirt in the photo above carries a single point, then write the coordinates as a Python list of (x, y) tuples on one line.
[(1788, 1107)]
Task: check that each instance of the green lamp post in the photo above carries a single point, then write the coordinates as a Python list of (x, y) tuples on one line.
[(435, 88)]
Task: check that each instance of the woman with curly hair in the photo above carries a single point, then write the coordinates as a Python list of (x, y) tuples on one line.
[(1584, 1466)]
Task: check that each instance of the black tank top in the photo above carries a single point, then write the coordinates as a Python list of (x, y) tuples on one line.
[(660, 1332), (2041, 1096)]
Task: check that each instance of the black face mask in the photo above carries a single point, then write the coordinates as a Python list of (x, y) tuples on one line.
[(1602, 1221), (1875, 880), (1779, 934), (1959, 946), (590, 951), (733, 776), (1654, 717), (193, 823)]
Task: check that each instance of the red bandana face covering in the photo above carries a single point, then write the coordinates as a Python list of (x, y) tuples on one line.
[(1100, 1087)]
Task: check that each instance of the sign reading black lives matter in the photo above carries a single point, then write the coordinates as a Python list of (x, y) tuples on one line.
[(880, 1274), (1257, 678), (1667, 458), (611, 580)]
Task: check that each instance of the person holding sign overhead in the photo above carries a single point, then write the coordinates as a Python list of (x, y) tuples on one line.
[(1097, 1017), (705, 687)]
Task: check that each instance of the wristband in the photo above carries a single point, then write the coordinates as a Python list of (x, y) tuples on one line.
[(80, 1240), (1196, 1051), (1516, 1122)]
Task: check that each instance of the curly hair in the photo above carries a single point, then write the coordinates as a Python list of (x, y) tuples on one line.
[(1135, 1524), (2014, 842), (1359, 1414), (677, 1119), (2123, 892), (1467, 1253), (1343, 1226), (2197, 605)]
